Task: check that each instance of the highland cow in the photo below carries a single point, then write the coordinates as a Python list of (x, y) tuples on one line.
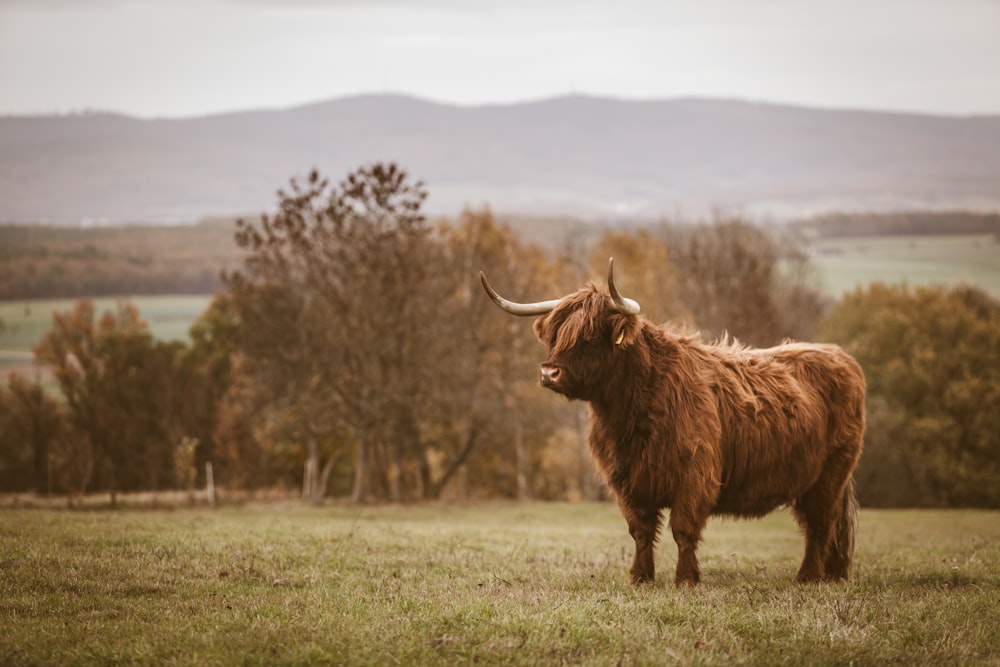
[(703, 429)]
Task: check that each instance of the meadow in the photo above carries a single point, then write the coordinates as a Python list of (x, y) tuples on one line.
[(496, 583), (26, 321), (843, 263)]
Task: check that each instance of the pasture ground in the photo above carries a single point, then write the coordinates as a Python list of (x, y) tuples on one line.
[(497, 583), (25, 323), (841, 264)]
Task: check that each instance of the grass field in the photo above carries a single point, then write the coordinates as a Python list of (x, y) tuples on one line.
[(534, 584), (25, 322), (844, 263)]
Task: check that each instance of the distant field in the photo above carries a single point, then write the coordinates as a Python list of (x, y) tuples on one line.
[(25, 322), (841, 264), (492, 584), (844, 263)]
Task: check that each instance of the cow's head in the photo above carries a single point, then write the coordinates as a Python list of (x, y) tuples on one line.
[(586, 332)]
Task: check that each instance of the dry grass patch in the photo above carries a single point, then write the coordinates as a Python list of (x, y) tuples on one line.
[(492, 584)]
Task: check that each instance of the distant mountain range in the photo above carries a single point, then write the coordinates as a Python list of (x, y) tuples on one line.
[(579, 156)]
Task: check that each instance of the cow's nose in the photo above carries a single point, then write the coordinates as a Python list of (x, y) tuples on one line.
[(550, 374)]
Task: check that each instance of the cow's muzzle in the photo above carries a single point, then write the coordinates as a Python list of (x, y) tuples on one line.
[(549, 376)]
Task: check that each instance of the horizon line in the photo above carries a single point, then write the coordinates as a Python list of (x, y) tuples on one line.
[(527, 101)]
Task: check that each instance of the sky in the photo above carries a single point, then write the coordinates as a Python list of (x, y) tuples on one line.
[(180, 58)]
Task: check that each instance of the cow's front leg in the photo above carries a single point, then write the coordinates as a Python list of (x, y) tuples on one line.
[(643, 525)]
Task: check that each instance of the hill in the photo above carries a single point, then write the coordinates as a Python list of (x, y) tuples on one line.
[(578, 156), (46, 261)]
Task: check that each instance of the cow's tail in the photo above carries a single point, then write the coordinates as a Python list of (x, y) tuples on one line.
[(841, 555)]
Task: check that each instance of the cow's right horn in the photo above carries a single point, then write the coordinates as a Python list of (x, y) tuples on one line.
[(624, 305), (524, 309)]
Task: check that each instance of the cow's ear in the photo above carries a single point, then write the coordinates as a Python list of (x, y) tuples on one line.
[(624, 331)]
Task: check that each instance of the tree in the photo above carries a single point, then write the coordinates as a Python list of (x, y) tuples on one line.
[(369, 343), (15, 450), (332, 304), (932, 361), (486, 382), (239, 458), (35, 421), (208, 363), (122, 389), (736, 279), (644, 271)]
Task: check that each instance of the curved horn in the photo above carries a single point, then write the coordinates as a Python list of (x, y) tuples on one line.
[(625, 306), (523, 309)]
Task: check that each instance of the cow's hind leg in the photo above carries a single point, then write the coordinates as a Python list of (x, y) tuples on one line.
[(841, 552), (813, 513), (643, 525), (819, 512)]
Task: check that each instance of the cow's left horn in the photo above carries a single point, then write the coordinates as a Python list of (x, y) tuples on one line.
[(524, 309), (625, 306)]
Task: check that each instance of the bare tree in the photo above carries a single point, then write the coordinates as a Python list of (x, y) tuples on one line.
[(736, 279), (337, 296)]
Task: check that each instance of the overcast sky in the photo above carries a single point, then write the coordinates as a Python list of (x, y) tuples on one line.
[(192, 57)]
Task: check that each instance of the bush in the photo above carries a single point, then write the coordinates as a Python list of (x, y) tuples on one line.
[(932, 361)]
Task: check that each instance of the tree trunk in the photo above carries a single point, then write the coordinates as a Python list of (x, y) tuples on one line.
[(457, 464), (463, 483), (43, 476), (359, 492), (307, 479), (521, 453), (324, 477), (378, 468), (310, 476), (426, 482), (394, 475), (113, 486), (209, 483)]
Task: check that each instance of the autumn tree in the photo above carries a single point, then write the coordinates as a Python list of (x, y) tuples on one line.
[(121, 389), (32, 426), (240, 459), (334, 302), (735, 278), (16, 450), (371, 345), (643, 270), (208, 364), (489, 380), (931, 357)]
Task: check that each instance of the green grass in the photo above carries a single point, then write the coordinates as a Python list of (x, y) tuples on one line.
[(844, 263), (25, 322), (490, 584)]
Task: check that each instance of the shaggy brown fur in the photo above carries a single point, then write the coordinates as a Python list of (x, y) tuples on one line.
[(711, 429)]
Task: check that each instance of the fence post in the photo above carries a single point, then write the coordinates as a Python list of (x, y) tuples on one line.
[(209, 483)]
